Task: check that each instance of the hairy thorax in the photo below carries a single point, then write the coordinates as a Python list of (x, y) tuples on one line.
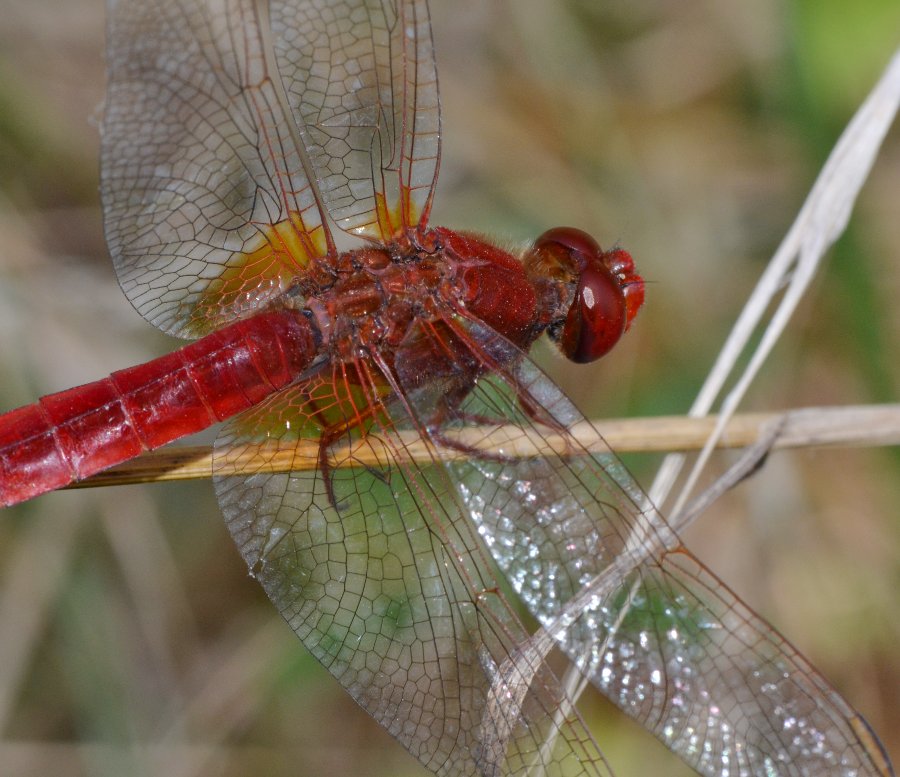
[(375, 297)]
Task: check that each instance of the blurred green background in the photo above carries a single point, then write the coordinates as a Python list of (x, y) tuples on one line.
[(131, 639)]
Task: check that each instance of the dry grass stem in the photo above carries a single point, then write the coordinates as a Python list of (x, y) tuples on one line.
[(821, 221), (802, 428)]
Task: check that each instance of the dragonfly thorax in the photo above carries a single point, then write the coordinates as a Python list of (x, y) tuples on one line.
[(377, 296)]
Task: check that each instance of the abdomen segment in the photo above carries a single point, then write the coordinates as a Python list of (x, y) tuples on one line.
[(73, 434)]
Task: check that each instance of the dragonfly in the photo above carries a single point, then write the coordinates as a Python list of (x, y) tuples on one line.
[(243, 144)]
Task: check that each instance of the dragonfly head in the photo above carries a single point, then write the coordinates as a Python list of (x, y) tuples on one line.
[(607, 291)]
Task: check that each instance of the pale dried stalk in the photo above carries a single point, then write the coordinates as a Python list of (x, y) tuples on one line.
[(808, 427), (819, 224)]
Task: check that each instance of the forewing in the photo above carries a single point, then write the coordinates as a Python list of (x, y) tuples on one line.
[(361, 80), (209, 211), (651, 627), (372, 564)]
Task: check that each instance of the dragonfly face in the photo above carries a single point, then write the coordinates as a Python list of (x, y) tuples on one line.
[(607, 291)]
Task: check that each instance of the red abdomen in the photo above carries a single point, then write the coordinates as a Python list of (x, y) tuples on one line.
[(73, 434)]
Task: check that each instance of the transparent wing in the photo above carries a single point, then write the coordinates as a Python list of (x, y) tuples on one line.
[(651, 627), (368, 557), (361, 80), (209, 210)]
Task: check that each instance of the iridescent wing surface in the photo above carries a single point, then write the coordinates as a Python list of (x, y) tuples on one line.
[(207, 199), (651, 627), (231, 128), (371, 560), (362, 85)]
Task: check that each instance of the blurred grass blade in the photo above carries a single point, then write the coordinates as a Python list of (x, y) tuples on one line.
[(821, 220)]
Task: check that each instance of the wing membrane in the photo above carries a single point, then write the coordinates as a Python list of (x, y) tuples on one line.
[(650, 626), (362, 83), (382, 578), (227, 120), (209, 211)]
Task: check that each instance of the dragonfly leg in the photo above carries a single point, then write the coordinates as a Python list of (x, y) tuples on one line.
[(449, 409), (334, 433)]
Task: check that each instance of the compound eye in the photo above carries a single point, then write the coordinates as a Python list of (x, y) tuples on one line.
[(570, 240), (597, 317), (608, 292)]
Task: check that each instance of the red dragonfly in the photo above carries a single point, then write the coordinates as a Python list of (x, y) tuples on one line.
[(239, 137)]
